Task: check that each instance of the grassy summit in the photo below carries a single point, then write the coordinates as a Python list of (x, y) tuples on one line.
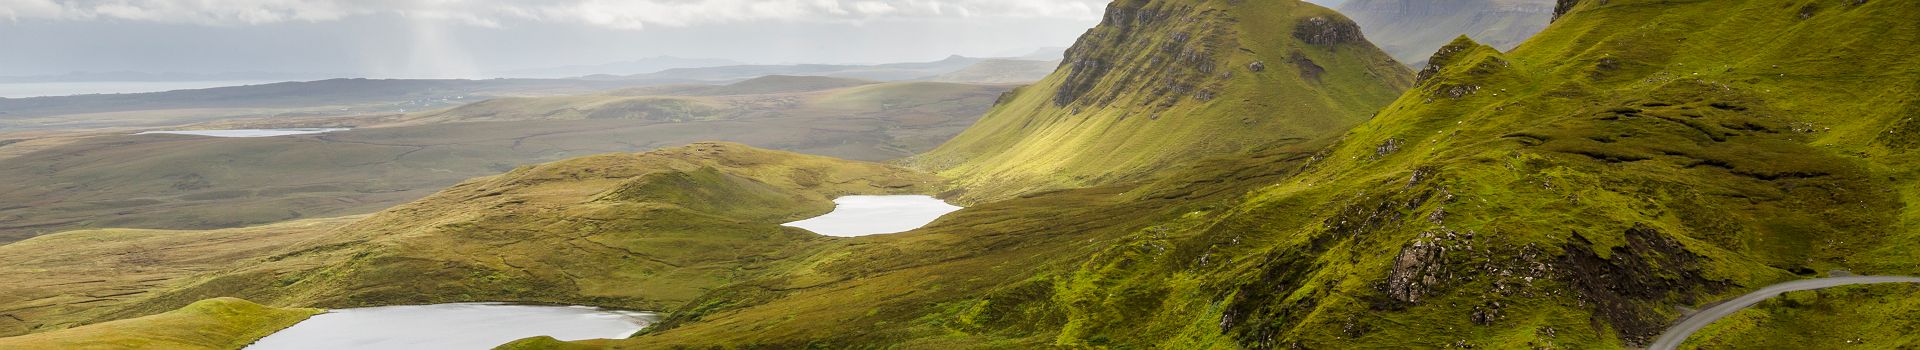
[(1160, 83)]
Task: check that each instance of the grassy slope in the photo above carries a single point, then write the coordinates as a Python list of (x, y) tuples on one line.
[(1102, 119), (1636, 156), (185, 182), (61, 280), (213, 324), (639, 231), (1858, 317)]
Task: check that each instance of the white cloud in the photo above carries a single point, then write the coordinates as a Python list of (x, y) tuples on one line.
[(624, 14)]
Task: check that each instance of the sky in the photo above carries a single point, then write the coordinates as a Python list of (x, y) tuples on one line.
[(478, 38)]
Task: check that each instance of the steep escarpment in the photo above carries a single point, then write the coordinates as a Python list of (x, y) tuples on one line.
[(1411, 30), (1160, 83), (642, 231)]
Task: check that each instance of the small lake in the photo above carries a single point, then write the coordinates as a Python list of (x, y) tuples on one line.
[(247, 132), (855, 216), (451, 326)]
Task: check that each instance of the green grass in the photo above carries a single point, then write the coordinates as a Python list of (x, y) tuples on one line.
[(69, 279), (212, 324)]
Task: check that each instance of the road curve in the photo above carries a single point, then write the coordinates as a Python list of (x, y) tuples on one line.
[(1678, 333)]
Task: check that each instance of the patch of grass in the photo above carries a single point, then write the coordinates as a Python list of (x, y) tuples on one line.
[(72, 278), (222, 323)]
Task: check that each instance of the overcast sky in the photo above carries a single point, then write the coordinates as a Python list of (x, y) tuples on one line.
[(470, 38)]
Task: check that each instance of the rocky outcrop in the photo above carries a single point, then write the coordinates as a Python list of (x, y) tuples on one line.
[(1327, 31), (1562, 7), (1629, 287)]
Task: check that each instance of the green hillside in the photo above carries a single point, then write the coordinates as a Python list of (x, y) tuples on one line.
[(1159, 83)]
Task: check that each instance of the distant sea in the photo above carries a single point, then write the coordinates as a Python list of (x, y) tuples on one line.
[(19, 90)]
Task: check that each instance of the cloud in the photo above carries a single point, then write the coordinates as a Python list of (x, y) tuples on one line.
[(622, 14)]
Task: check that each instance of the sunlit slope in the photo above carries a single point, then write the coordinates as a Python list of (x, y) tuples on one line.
[(1159, 83), (641, 231), (1636, 157), (71, 278), (213, 324)]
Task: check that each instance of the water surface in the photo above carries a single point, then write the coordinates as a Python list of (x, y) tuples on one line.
[(871, 215), (247, 132), (451, 326)]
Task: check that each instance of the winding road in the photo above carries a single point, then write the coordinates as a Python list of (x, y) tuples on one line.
[(1678, 333)]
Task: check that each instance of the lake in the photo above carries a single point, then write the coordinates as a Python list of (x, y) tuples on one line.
[(247, 132), (451, 326), (855, 216)]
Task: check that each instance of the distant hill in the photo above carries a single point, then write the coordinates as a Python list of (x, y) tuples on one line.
[(1161, 83), (881, 72), (640, 66), (1411, 30), (1000, 71), (189, 182), (383, 94)]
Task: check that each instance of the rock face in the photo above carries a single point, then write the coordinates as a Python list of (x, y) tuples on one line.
[(1411, 30), (1327, 31), (1560, 7)]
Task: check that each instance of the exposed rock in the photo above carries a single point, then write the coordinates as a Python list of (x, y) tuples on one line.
[(1630, 287), (1257, 66), (1327, 31), (1387, 147), (1561, 8), (1485, 315), (1308, 70), (1443, 57), (1416, 268)]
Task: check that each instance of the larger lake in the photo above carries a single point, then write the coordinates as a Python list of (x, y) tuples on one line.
[(854, 216), (451, 326)]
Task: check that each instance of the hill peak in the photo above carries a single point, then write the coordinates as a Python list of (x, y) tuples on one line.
[(1160, 82)]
